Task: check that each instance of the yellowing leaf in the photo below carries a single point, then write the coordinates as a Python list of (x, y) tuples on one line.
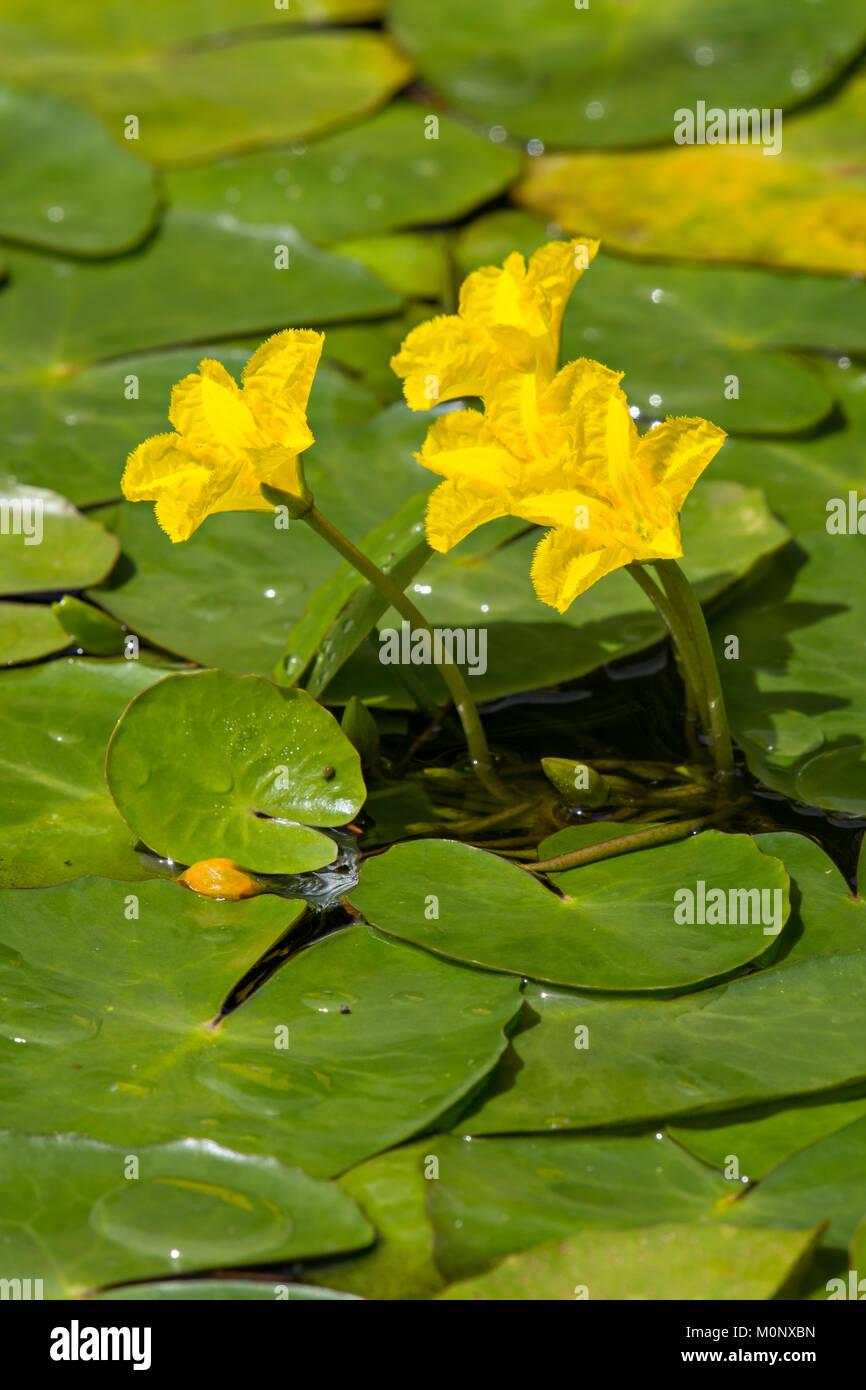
[(803, 208)]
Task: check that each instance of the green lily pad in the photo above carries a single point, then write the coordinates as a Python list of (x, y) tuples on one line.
[(688, 337), (835, 780), (824, 1182), (209, 765), (27, 632), (596, 76), (227, 597), (376, 176), (759, 1144), (780, 1033), (194, 98), (413, 264), (806, 212), (391, 1190), (658, 1262), (52, 38), (64, 184), (73, 1207), (221, 1290), (825, 915), (46, 544), (355, 1045), (56, 816), (90, 629), (72, 430), (801, 476), (495, 1197), (60, 312), (799, 681), (366, 349), (614, 925)]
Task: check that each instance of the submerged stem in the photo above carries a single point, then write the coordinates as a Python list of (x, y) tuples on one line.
[(624, 844)]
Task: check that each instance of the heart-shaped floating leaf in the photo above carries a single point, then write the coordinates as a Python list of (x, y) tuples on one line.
[(79, 1214), (826, 1181), (355, 1045), (60, 311), (221, 1290), (641, 922), (658, 1262), (46, 544), (697, 340), (64, 183), (784, 1032), (398, 169), (759, 1144), (494, 1197), (589, 75), (210, 765), (29, 631), (57, 820), (72, 430), (806, 212)]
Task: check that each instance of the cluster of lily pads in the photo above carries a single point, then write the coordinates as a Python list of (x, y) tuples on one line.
[(287, 988)]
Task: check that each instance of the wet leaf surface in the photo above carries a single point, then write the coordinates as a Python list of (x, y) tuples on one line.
[(89, 1214), (608, 926), (116, 1009), (209, 765)]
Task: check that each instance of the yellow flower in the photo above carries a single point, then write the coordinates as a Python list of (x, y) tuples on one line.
[(575, 463), (508, 326), (229, 440)]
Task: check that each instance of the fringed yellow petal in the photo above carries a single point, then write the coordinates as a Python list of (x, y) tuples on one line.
[(587, 399), (565, 565), (208, 408), (440, 360), (153, 464), (553, 272), (591, 517), (676, 453), (277, 382), (456, 507), (462, 445), (492, 296)]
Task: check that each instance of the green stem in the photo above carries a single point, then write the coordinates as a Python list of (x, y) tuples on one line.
[(681, 635), (685, 604), (463, 702), (624, 844)]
